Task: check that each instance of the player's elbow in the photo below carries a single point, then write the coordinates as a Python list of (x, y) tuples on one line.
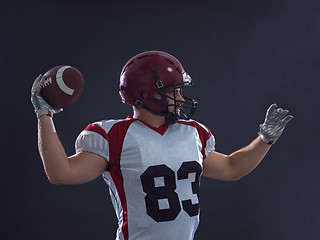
[(67, 178), (55, 179), (58, 178)]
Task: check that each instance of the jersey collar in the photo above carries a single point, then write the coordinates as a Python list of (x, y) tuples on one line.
[(161, 130)]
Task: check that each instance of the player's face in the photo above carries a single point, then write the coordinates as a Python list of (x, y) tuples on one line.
[(174, 93)]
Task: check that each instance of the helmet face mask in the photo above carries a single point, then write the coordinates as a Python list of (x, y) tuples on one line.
[(178, 108), (156, 74)]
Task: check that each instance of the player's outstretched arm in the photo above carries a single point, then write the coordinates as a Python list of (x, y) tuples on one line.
[(240, 163), (60, 168)]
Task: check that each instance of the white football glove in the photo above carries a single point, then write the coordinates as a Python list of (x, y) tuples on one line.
[(41, 107), (275, 121)]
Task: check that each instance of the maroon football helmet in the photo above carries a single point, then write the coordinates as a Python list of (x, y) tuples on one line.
[(153, 72)]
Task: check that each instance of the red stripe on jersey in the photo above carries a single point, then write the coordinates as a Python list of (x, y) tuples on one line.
[(203, 134), (97, 129), (116, 136)]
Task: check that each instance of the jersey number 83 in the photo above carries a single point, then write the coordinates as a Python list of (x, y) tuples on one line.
[(166, 190)]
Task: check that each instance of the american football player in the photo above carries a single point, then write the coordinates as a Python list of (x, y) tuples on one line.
[(154, 187)]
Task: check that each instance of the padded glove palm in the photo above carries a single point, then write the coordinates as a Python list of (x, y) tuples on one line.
[(275, 121), (41, 107)]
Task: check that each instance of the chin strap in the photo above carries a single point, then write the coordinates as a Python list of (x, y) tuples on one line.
[(171, 118)]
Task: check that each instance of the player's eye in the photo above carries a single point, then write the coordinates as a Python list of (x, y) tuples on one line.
[(178, 91)]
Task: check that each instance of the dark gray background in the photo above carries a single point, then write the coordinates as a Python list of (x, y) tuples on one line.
[(243, 55)]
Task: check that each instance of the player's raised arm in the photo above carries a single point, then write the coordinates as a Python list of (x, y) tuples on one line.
[(60, 168), (240, 163)]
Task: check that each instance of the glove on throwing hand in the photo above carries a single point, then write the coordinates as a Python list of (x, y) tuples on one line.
[(275, 121), (41, 107)]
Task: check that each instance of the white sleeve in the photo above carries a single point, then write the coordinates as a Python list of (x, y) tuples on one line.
[(89, 141), (210, 146), (210, 142)]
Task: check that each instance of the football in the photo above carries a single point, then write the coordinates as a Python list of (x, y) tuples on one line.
[(63, 85)]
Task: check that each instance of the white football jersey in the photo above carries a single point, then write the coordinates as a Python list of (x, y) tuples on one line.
[(153, 174)]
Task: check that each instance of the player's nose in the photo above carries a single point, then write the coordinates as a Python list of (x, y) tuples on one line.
[(179, 96)]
